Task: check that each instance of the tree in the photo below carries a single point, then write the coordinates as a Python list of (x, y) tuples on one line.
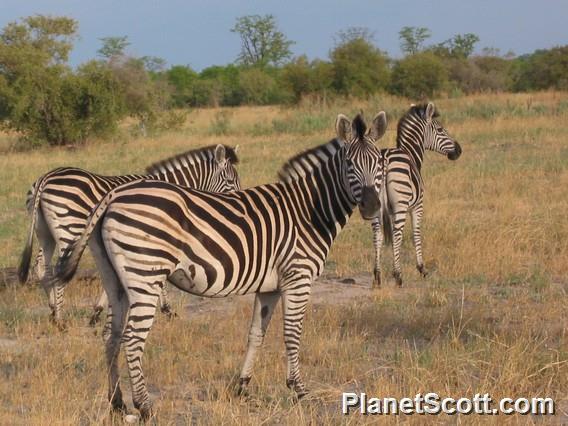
[(412, 39), (418, 76), (359, 68), (113, 47), (261, 41), (42, 98), (459, 46)]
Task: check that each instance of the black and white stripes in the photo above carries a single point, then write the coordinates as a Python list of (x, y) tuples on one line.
[(60, 202), (271, 240), (418, 130)]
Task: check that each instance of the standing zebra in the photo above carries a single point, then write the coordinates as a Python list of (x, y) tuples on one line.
[(271, 240), (417, 131), (61, 200)]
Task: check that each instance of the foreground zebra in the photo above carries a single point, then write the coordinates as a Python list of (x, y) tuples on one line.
[(271, 240), (417, 131), (61, 200)]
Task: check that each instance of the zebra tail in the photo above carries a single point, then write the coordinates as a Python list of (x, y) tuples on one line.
[(69, 260), (386, 209), (33, 209)]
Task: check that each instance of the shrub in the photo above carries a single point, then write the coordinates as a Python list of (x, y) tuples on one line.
[(419, 76)]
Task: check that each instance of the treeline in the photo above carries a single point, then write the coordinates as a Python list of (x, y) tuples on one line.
[(44, 99)]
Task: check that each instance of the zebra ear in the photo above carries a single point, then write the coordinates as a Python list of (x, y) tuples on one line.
[(343, 128), (379, 126), (236, 149), (220, 154), (430, 111)]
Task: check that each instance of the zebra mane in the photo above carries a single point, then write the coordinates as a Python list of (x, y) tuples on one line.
[(307, 161), (415, 111), (193, 156)]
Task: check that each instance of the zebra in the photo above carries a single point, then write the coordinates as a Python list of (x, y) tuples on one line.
[(271, 240), (60, 201), (417, 131)]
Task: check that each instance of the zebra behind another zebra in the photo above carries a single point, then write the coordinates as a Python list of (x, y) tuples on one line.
[(417, 131), (61, 200), (271, 240)]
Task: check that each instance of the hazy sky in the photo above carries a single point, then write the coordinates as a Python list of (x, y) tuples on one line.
[(197, 33)]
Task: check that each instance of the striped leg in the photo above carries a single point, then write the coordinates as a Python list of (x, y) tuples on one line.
[(139, 322), (165, 306), (39, 265), (119, 302), (378, 238), (416, 217), (294, 304), (398, 228), (99, 307), (264, 304)]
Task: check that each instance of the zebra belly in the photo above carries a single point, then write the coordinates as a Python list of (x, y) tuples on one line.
[(194, 280)]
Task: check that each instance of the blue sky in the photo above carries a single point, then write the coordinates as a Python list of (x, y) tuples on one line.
[(197, 33)]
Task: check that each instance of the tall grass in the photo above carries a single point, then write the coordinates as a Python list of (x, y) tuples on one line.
[(490, 318)]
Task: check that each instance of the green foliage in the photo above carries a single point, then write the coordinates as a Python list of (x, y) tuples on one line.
[(113, 47), (544, 69), (359, 68), (418, 76), (261, 41), (42, 99), (412, 39), (459, 46), (182, 79)]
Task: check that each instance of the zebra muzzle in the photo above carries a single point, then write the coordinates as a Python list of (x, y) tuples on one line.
[(369, 205), (455, 154)]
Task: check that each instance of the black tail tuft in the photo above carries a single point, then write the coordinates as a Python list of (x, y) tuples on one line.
[(66, 265), (24, 267), (387, 226)]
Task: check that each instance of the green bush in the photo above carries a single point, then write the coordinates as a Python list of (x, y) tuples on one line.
[(419, 76)]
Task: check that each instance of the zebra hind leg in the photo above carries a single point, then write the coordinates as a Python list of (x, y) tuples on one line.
[(294, 304), (165, 306), (118, 301), (416, 216), (398, 228), (264, 304), (98, 309), (377, 245)]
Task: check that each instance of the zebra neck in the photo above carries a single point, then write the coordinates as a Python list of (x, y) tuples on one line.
[(325, 204), (411, 142), (184, 176)]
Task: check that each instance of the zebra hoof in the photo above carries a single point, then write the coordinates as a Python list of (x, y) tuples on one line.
[(242, 390), (298, 387), (397, 278), (168, 312), (95, 318), (422, 270), (59, 323), (377, 280), (146, 412)]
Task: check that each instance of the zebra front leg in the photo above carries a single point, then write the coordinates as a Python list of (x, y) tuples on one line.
[(294, 304), (416, 216), (377, 245), (264, 304), (98, 308), (165, 306)]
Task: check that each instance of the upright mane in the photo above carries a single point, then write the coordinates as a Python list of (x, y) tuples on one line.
[(307, 161), (188, 158), (415, 111)]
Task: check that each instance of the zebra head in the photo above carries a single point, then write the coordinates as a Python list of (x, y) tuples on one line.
[(436, 137), (224, 174), (363, 162)]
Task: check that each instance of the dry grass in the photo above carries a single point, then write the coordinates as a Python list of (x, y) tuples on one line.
[(491, 317)]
